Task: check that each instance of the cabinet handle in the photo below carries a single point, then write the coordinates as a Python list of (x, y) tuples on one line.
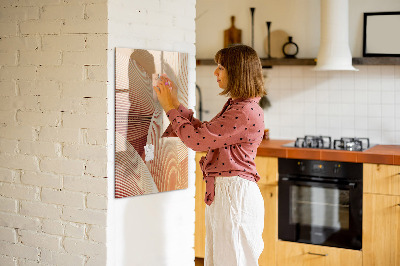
[(318, 254), (398, 204)]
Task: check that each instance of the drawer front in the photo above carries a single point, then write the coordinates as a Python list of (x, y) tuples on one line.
[(293, 254), (381, 179)]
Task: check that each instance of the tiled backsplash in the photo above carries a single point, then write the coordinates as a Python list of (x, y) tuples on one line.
[(365, 103)]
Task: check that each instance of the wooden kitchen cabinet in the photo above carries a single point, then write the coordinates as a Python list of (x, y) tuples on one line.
[(200, 207), (298, 254), (381, 230), (381, 215), (381, 179), (270, 233)]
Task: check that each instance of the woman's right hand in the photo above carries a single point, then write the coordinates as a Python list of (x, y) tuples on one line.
[(174, 90)]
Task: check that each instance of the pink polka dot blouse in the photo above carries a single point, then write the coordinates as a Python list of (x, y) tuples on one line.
[(231, 139)]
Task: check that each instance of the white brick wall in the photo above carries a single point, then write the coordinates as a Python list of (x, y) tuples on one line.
[(53, 106)]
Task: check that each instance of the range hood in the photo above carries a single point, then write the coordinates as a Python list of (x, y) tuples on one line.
[(334, 51)]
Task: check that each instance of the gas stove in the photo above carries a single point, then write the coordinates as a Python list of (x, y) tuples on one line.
[(325, 142)]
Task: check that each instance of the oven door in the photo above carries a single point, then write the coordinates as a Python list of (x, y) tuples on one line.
[(321, 212)]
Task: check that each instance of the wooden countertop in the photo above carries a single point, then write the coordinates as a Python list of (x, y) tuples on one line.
[(379, 154)]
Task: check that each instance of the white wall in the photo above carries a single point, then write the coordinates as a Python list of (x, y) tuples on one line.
[(337, 104), (156, 229), (299, 18), (53, 108)]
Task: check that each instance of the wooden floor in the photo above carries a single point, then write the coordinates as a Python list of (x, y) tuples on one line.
[(199, 262)]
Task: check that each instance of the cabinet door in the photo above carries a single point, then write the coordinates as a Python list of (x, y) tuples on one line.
[(381, 179), (267, 168), (270, 233), (200, 207), (297, 254), (381, 230)]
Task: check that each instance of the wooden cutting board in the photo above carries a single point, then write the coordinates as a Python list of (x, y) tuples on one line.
[(232, 35)]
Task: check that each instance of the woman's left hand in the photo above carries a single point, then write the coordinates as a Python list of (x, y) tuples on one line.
[(163, 92)]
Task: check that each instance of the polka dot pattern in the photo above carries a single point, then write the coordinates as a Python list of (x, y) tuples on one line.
[(231, 138)]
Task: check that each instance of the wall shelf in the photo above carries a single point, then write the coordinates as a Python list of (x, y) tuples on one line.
[(312, 61)]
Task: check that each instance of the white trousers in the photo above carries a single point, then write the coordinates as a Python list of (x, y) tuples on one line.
[(234, 223)]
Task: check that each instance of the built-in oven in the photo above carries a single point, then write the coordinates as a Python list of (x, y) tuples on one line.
[(320, 202)]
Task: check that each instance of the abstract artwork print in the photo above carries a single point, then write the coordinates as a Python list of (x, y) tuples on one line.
[(145, 162)]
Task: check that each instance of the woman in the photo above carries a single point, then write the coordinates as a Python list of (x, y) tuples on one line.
[(235, 207)]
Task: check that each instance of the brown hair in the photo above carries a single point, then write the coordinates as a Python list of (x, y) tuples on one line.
[(245, 78)]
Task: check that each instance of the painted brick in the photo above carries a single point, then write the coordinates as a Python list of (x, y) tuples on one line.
[(19, 13), (62, 104), (41, 210), (75, 230), (26, 262), (39, 118), (17, 132), (8, 261), (25, 103), (96, 168), (19, 43), (86, 184), (8, 234), (39, 87), (39, 58), (68, 42), (98, 121), (31, 2), (8, 145), (19, 221), (18, 72), (96, 11), (84, 216), (60, 258), (8, 205), (94, 201), (62, 166), (53, 227), (98, 42), (8, 58), (35, 239), (40, 27), (97, 234), (88, 57), (99, 260), (40, 148), (6, 103), (87, 88), (57, 134), (85, 152), (7, 88), (84, 26), (41, 179), (19, 250), (60, 73), (63, 197), (7, 117), (17, 191), (84, 247), (18, 161), (62, 12), (7, 175), (94, 136), (96, 73)]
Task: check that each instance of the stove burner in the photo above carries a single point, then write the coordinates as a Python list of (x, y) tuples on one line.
[(308, 141), (351, 144)]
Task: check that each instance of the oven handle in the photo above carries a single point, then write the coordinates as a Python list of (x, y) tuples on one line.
[(297, 181)]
